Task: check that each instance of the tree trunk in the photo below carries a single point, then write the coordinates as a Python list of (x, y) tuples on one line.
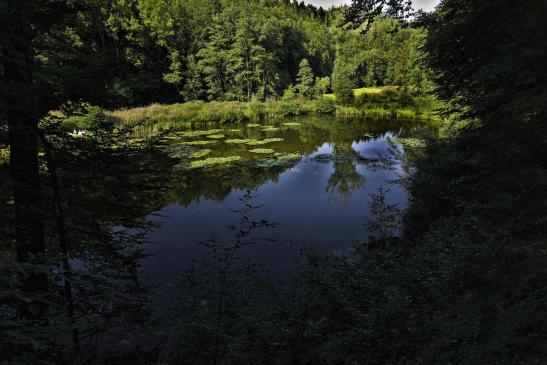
[(23, 139)]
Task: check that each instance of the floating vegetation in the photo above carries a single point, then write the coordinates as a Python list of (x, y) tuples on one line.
[(253, 125), (292, 124), (199, 133), (216, 136), (254, 142), (213, 161), (199, 143), (264, 151), (179, 150), (278, 159), (234, 130), (270, 129), (407, 142), (264, 141), (238, 141), (201, 153)]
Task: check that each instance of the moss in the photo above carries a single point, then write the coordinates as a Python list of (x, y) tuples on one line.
[(213, 161), (201, 153), (216, 136), (199, 143), (262, 151)]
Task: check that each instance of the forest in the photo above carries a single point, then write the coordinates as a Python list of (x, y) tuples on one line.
[(273, 182)]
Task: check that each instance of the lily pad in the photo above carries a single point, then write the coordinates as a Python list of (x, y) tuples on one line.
[(254, 142), (213, 161), (216, 136), (253, 125), (199, 133), (238, 141), (178, 150), (264, 151), (292, 124), (199, 143), (278, 159), (264, 141), (201, 153)]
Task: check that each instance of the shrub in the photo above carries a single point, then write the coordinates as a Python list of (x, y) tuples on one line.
[(290, 102), (405, 100), (87, 117), (324, 105), (345, 95)]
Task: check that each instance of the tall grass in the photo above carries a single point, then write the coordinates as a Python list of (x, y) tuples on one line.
[(156, 118)]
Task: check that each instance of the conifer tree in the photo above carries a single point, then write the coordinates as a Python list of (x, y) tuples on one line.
[(305, 79)]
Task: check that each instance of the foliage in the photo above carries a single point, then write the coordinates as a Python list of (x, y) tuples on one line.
[(322, 85), (324, 106), (344, 91), (4, 156), (386, 218), (87, 117), (383, 56), (305, 80)]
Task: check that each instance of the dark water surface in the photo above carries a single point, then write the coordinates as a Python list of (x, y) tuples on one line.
[(312, 189)]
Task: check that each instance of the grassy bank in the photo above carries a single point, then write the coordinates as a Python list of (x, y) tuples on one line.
[(150, 120), (374, 102), (388, 102)]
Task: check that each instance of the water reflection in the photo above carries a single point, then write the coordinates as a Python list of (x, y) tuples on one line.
[(319, 199), (130, 219)]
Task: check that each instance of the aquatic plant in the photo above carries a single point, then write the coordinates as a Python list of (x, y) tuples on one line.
[(262, 151), (270, 129), (253, 142), (201, 153), (199, 133), (237, 141), (291, 124), (278, 159), (178, 150), (264, 141), (199, 143), (407, 142), (216, 136), (253, 125), (213, 161)]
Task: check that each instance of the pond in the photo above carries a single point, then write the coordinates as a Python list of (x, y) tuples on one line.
[(276, 189)]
